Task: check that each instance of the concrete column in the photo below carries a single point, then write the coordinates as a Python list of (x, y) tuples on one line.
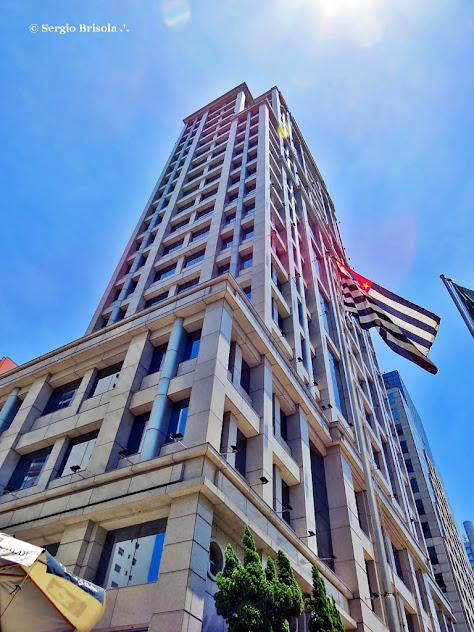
[(302, 518), (110, 442), (81, 547), (181, 587), (206, 406), (259, 456), (156, 429), (9, 410)]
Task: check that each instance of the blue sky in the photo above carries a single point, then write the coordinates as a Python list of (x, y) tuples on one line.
[(382, 91)]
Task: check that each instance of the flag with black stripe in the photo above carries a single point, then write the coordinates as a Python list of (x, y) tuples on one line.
[(408, 329)]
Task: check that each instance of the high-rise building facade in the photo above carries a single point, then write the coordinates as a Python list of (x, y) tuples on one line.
[(220, 383), (445, 548), (468, 541)]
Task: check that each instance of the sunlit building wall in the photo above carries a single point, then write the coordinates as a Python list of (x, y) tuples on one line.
[(445, 548), (217, 386)]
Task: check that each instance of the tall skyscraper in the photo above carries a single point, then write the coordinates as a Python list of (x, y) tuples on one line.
[(445, 548), (469, 542), (220, 383)]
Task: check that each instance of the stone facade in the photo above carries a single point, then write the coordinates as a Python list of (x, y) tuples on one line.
[(217, 386)]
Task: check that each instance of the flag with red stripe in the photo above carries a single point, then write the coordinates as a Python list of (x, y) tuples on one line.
[(408, 329)]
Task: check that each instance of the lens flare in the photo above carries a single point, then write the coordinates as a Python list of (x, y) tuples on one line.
[(283, 130), (175, 13)]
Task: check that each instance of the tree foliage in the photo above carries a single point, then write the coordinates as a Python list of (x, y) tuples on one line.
[(252, 599), (325, 616)]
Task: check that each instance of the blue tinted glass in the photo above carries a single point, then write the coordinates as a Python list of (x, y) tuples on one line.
[(334, 366)]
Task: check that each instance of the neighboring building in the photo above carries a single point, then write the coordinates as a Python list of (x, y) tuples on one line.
[(446, 552), (218, 385), (6, 365), (468, 541)]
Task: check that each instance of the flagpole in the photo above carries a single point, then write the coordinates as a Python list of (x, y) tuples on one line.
[(459, 304)]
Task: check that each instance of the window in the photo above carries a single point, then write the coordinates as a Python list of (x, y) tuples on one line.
[(209, 194), (205, 211), (62, 397), (230, 219), (155, 300), (285, 501), (433, 556), (172, 247), (136, 433), (246, 262), (414, 485), (241, 456), (194, 258), (403, 445), (191, 345), (178, 418), (248, 209), (78, 453), (225, 267), (227, 242), (426, 530), (245, 377), (420, 507), (179, 225), (106, 379), (409, 465), (216, 559), (321, 506), (283, 426), (325, 313), (144, 543), (248, 291), (247, 233), (29, 469), (200, 233), (395, 414), (157, 359), (165, 272), (189, 284), (335, 368)]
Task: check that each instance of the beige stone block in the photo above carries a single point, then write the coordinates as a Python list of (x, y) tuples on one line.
[(167, 621), (134, 604), (171, 591), (176, 557), (149, 480)]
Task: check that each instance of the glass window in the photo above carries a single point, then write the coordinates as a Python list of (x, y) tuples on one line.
[(106, 379), (241, 455), (283, 426), (200, 233), (61, 397), (29, 469), (191, 345), (325, 313), (335, 368), (227, 243), (157, 358), (78, 453), (178, 418), (230, 219), (245, 377), (225, 267), (189, 284), (156, 299), (179, 225), (194, 258), (143, 547), (136, 433), (247, 233), (216, 559), (248, 291), (414, 485), (165, 272), (391, 398), (205, 211), (172, 247), (395, 414), (246, 262)]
